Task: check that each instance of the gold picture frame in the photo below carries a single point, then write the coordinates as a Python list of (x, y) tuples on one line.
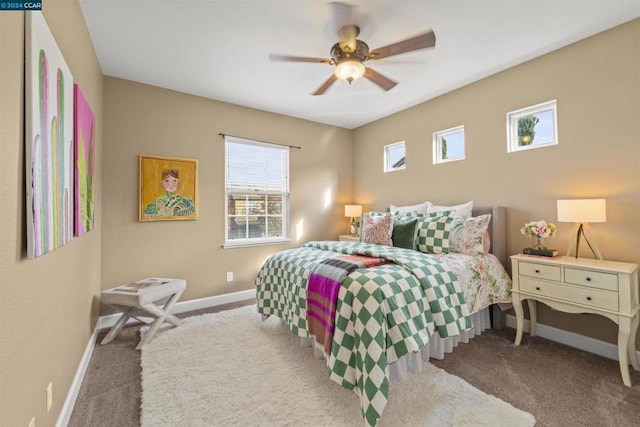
[(168, 189)]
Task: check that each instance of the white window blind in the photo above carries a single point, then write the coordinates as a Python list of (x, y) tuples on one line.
[(257, 192)]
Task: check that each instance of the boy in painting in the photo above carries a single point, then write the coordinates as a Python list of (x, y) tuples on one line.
[(170, 203)]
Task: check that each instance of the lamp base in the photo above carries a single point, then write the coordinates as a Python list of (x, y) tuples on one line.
[(353, 231), (576, 243)]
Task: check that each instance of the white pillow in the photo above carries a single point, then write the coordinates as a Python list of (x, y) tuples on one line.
[(463, 209), (420, 208)]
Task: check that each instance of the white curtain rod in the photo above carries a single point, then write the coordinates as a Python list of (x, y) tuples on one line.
[(266, 142)]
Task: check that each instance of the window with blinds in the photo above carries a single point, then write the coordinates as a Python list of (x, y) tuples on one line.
[(256, 192)]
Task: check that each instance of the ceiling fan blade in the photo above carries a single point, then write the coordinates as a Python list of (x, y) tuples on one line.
[(275, 57), (382, 81), (322, 89), (414, 43)]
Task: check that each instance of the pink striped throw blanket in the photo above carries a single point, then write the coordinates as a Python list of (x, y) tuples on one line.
[(322, 294)]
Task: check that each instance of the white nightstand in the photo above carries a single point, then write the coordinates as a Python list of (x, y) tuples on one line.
[(348, 238), (581, 285)]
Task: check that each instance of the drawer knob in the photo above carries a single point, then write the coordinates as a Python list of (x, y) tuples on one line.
[(588, 279), (588, 298), (537, 288), (537, 271)]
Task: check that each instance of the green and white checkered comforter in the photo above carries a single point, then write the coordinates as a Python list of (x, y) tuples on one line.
[(382, 313)]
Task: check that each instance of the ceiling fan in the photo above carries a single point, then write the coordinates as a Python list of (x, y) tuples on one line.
[(349, 54)]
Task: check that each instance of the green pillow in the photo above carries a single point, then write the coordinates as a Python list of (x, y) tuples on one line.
[(433, 233), (404, 233)]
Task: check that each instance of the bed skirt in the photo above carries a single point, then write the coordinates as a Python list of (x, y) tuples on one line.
[(436, 349)]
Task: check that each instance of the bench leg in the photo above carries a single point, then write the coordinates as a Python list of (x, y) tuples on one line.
[(162, 316), (115, 330)]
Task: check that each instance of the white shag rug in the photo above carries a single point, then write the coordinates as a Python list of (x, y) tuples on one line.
[(233, 369)]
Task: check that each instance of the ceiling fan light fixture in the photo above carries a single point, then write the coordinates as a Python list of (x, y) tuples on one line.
[(349, 70)]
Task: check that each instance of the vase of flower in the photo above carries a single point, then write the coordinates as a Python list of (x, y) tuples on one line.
[(537, 242), (538, 231)]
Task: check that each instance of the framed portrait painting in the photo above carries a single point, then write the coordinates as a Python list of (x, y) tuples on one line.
[(168, 189)]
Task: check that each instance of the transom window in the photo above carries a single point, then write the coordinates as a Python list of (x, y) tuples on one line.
[(533, 127), (256, 192), (394, 157), (448, 145)]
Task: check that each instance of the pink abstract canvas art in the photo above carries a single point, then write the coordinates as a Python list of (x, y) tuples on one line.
[(48, 140), (85, 163)]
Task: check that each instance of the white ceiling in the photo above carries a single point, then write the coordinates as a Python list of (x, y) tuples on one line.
[(220, 49)]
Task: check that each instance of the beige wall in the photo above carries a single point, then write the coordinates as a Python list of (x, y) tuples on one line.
[(596, 83), (47, 306), (141, 119)]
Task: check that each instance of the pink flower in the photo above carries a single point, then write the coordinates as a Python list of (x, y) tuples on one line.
[(539, 228)]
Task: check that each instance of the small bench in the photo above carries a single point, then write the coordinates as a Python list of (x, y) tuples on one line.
[(145, 298)]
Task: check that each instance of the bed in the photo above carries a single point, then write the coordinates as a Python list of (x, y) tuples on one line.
[(390, 317)]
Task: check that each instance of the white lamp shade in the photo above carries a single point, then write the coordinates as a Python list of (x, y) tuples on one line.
[(582, 210), (352, 211)]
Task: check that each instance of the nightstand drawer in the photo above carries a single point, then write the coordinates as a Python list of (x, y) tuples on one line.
[(571, 294), (540, 271), (594, 279)]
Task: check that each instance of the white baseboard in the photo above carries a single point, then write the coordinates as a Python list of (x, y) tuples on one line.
[(190, 305), (581, 342), (72, 395), (110, 320)]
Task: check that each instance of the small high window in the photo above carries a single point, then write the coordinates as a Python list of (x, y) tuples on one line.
[(394, 157), (532, 127), (448, 145)]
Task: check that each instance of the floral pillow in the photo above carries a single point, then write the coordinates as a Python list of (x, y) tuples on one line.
[(470, 235), (377, 230), (432, 235), (374, 214)]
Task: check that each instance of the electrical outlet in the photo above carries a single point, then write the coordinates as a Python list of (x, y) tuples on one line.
[(229, 276), (32, 423), (49, 396)]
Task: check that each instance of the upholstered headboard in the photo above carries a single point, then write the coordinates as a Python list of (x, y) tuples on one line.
[(497, 230)]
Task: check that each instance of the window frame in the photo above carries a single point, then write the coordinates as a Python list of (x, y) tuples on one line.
[(386, 158), (437, 144), (285, 195), (512, 125)]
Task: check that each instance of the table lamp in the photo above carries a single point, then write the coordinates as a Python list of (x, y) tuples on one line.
[(353, 212), (582, 212)]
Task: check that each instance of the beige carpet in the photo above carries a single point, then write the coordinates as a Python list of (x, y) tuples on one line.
[(231, 368)]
